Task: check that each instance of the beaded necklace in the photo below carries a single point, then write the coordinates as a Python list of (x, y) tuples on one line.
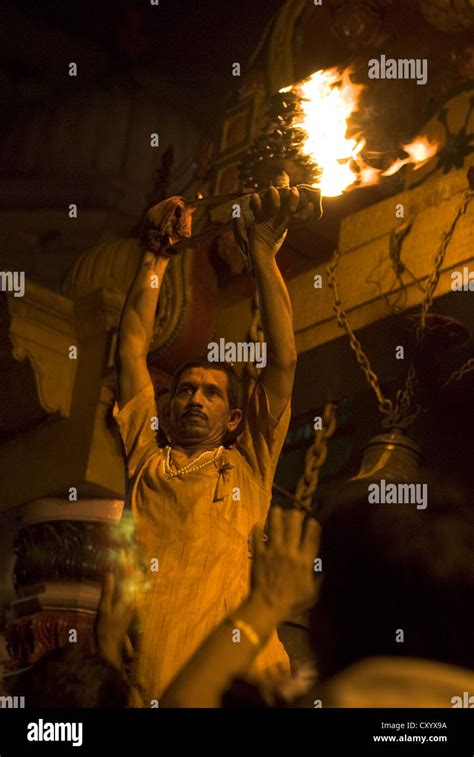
[(190, 467)]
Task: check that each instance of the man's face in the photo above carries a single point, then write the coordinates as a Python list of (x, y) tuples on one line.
[(200, 411)]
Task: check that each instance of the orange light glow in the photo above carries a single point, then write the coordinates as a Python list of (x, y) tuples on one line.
[(328, 101), (419, 152)]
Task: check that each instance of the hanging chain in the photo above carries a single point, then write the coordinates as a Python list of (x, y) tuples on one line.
[(459, 374), (434, 278), (256, 334), (316, 456), (405, 410), (385, 405)]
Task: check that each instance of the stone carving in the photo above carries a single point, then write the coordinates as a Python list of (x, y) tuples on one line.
[(448, 15), (112, 265), (62, 550), (357, 23), (280, 64), (452, 126), (41, 330), (33, 636)]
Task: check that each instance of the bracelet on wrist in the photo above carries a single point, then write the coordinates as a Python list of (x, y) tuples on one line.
[(250, 634)]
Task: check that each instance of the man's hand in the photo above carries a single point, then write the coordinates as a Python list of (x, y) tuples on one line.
[(166, 223), (282, 573), (273, 214)]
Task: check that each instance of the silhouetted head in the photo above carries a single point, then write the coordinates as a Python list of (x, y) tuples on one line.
[(73, 677), (205, 405), (388, 568)]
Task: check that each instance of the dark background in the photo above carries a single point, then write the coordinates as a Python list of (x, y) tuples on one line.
[(188, 41)]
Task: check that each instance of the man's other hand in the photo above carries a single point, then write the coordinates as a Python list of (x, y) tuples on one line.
[(273, 212)]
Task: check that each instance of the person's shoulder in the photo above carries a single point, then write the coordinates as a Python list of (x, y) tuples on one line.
[(236, 454)]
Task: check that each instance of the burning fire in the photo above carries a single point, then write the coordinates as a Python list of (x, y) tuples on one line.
[(328, 100), (418, 151)]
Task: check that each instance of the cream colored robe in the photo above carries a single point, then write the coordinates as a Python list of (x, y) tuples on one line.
[(198, 527)]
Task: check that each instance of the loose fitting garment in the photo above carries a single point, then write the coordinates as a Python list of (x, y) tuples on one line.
[(198, 526)]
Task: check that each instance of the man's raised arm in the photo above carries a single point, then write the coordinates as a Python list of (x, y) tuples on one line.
[(166, 223), (135, 330), (266, 238)]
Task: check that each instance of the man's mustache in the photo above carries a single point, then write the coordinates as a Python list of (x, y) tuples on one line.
[(195, 411)]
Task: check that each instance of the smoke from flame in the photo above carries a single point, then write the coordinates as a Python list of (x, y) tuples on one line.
[(328, 100)]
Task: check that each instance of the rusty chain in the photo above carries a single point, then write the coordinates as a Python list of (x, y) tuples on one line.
[(403, 412), (316, 456), (432, 282), (256, 334), (385, 405), (467, 367)]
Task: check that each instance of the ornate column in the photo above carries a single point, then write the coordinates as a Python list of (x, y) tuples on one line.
[(62, 549)]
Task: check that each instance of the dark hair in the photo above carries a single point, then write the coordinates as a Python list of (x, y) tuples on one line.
[(234, 388), (73, 677), (392, 566)]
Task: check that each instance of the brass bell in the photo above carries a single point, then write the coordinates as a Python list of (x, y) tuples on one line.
[(391, 456)]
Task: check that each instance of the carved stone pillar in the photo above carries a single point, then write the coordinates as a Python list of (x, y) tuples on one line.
[(62, 549)]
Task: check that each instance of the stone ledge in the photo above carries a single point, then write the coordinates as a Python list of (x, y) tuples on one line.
[(41, 329)]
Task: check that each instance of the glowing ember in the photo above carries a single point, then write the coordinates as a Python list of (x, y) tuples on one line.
[(328, 100), (419, 152)]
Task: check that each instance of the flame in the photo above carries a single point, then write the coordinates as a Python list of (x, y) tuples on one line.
[(328, 100), (419, 152)]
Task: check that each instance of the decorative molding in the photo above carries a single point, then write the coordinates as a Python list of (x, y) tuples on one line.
[(106, 271), (62, 551), (452, 127), (357, 23), (227, 180), (280, 64), (90, 510), (454, 16), (239, 117), (41, 330), (31, 637), (175, 298)]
